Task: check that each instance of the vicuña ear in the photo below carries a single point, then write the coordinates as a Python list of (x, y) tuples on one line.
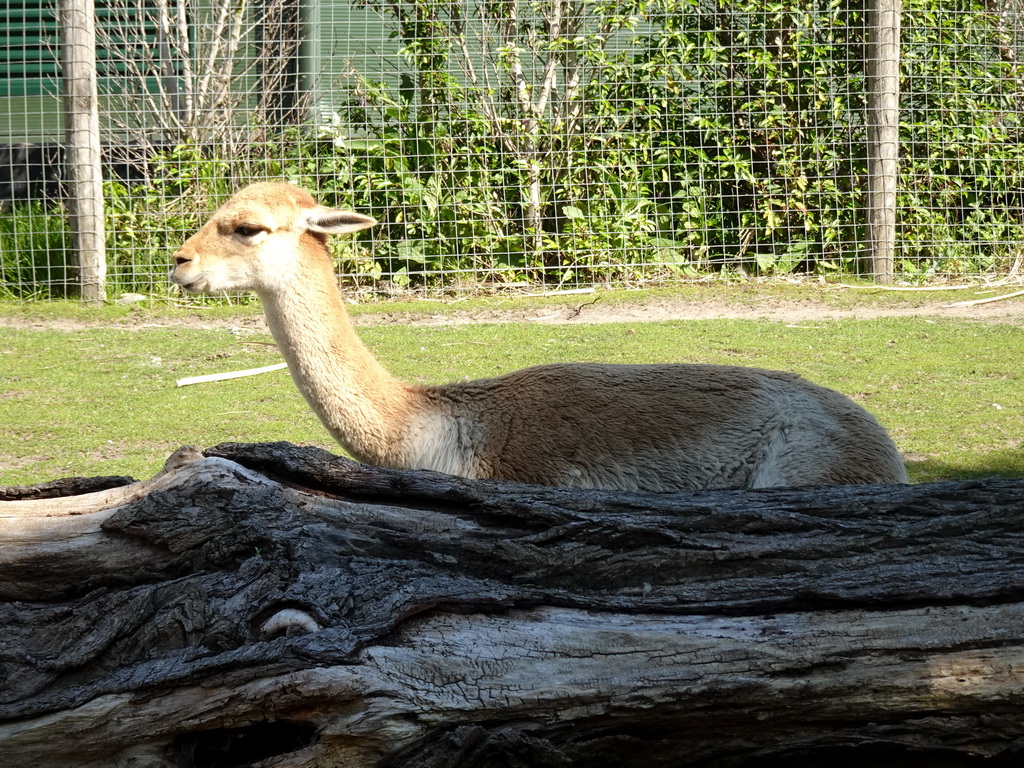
[(330, 221)]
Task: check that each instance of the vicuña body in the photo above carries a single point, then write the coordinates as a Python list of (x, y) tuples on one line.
[(631, 427)]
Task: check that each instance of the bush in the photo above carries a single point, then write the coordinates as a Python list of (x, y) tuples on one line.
[(719, 139), (683, 138), (35, 253)]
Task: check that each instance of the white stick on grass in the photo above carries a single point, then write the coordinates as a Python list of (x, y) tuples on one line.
[(985, 301), (230, 375)]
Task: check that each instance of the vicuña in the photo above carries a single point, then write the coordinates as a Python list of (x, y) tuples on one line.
[(586, 425)]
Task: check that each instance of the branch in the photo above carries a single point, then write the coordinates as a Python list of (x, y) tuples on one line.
[(549, 81), (185, 56), (985, 301), (509, 30), (215, 43), (465, 60)]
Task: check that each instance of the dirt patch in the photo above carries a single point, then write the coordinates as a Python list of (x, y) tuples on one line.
[(9, 463), (592, 310), (582, 309)]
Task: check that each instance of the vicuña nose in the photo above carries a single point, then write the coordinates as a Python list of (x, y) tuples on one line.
[(180, 258)]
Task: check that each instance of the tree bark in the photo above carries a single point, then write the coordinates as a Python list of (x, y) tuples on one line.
[(267, 605)]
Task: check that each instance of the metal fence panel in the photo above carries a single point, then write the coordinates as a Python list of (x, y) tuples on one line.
[(504, 143)]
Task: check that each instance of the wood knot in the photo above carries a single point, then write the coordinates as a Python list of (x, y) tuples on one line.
[(289, 622)]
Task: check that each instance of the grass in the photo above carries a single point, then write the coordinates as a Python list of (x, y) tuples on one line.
[(101, 399)]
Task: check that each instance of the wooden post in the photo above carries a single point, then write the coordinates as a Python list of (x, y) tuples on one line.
[(883, 69), (82, 136)]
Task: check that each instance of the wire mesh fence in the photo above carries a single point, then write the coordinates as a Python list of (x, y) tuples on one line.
[(504, 143)]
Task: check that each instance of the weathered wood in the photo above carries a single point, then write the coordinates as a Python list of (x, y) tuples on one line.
[(883, 65), (277, 604), (66, 486), (82, 134)]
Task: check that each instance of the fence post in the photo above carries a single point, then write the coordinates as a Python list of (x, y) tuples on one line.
[(82, 137), (883, 70)]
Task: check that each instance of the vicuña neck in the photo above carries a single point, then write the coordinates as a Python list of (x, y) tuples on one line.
[(360, 403)]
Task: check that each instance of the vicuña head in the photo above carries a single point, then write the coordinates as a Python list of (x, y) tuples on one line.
[(589, 425)]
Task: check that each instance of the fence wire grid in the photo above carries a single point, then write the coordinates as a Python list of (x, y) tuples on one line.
[(504, 143)]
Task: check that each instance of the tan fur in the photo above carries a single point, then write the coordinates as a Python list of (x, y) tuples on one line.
[(588, 425)]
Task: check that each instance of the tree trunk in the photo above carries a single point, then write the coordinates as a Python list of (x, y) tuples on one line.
[(277, 606), (533, 212)]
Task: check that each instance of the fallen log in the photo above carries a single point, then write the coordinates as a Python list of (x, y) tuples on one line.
[(268, 605)]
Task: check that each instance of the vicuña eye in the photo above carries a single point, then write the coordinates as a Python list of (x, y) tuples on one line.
[(247, 230)]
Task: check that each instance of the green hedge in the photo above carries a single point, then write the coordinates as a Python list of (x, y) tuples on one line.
[(703, 138)]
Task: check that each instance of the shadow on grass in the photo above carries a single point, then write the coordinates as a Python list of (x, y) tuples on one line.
[(1007, 462)]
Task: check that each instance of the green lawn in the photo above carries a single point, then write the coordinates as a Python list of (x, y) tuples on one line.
[(101, 399)]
